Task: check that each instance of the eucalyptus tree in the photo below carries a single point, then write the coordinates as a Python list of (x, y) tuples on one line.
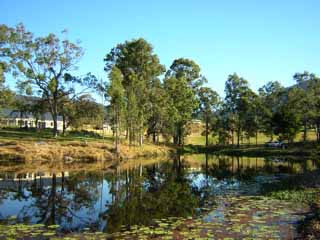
[(159, 101), (237, 101), (182, 83), (223, 126), (305, 83), (187, 69), (183, 103), (314, 92), (139, 67), (6, 95), (117, 102), (271, 96), (44, 64), (287, 119), (209, 102)]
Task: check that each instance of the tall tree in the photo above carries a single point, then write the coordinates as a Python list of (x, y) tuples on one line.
[(6, 95), (314, 95), (271, 96), (254, 116), (159, 111), (183, 103), (116, 93), (237, 101), (305, 84), (80, 111), (287, 119), (43, 63), (182, 82), (209, 101), (139, 67), (187, 69)]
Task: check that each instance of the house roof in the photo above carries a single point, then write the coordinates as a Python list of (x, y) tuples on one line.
[(13, 113)]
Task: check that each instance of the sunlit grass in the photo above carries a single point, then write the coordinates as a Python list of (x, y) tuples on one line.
[(198, 139)]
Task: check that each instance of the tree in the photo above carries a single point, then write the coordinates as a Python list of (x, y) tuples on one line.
[(209, 101), (223, 125), (183, 103), (43, 63), (182, 82), (271, 96), (314, 96), (82, 111), (6, 95), (159, 102), (38, 108), (287, 120), (116, 93), (237, 101), (187, 69), (253, 117), (305, 83), (139, 67)]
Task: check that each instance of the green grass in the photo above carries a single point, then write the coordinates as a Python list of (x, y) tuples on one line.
[(300, 188), (198, 139), (16, 134)]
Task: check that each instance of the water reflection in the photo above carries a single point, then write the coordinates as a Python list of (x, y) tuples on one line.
[(134, 193)]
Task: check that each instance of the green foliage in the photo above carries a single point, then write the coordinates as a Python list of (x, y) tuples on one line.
[(187, 69), (84, 111), (300, 196), (209, 103), (139, 67), (183, 103), (239, 102), (42, 63), (271, 96), (117, 100)]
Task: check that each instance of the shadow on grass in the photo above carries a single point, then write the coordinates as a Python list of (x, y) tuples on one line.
[(297, 149), (46, 134)]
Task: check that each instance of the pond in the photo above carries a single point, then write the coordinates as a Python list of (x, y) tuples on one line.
[(204, 195)]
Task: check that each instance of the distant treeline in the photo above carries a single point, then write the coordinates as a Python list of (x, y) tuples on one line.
[(146, 100)]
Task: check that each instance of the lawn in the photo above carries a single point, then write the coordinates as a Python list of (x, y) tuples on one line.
[(197, 139), (17, 134)]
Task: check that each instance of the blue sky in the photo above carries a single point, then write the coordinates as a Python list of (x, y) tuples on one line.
[(260, 40)]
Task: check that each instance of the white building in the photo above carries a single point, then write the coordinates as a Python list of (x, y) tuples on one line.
[(15, 118)]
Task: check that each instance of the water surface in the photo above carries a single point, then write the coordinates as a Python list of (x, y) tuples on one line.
[(219, 190)]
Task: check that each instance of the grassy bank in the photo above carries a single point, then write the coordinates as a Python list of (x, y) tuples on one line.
[(296, 149), (29, 145), (301, 189)]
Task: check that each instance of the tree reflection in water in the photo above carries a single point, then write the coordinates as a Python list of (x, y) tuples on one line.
[(143, 194), (107, 201)]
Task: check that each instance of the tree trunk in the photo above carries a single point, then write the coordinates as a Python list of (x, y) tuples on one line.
[(154, 137), (36, 123), (256, 138), (180, 135), (141, 137), (232, 137), (305, 131), (238, 137), (21, 114), (207, 126), (64, 126), (117, 133), (55, 125), (54, 114), (318, 132)]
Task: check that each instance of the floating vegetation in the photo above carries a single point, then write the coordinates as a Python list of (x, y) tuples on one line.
[(244, 217)]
